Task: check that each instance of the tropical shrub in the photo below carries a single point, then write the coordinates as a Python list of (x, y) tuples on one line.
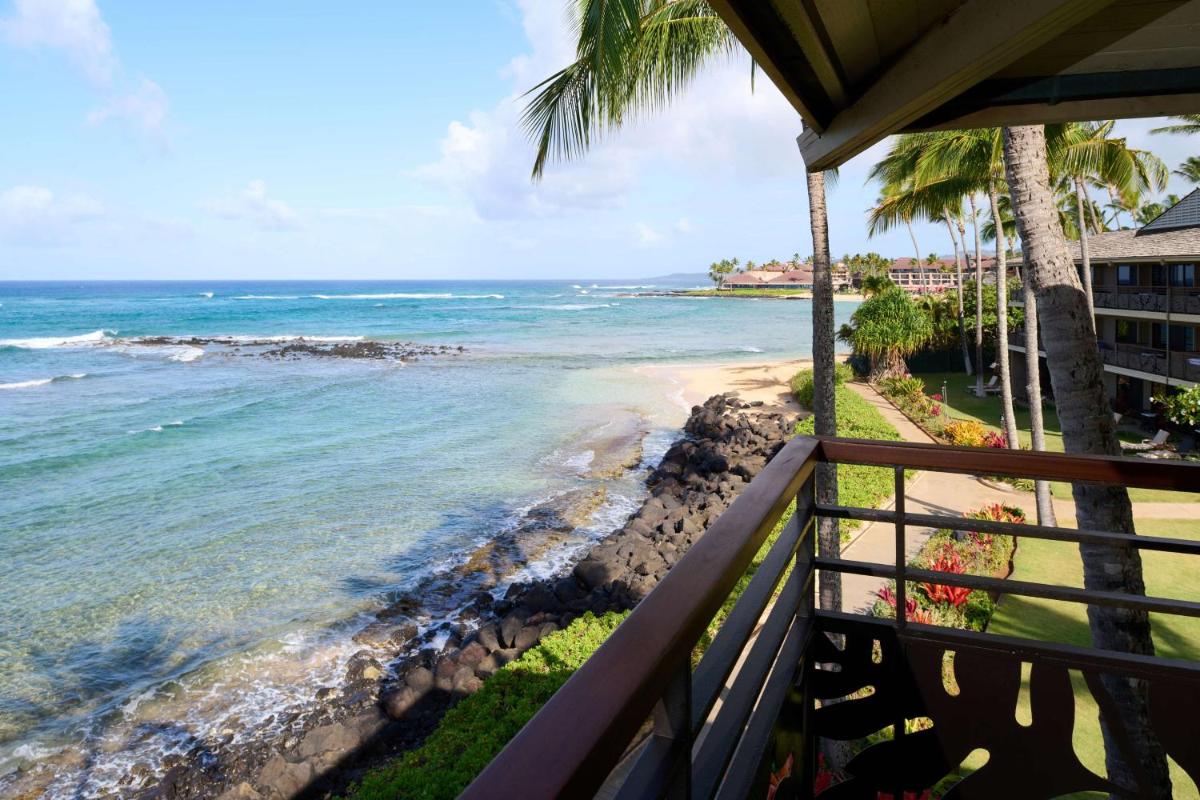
[(1183, 407), (965, 433), (887, 328), (802, 383)]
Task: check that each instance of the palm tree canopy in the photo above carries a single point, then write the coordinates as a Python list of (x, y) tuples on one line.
[(1188, 124), (1189, 170), (632, 56)]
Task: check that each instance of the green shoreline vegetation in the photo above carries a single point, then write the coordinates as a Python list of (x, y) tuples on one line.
[(475, 730)]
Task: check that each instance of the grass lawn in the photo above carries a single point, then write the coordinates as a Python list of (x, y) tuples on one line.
[(1167, 575), (961, 403)]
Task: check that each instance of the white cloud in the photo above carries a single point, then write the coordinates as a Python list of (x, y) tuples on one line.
[(144, 110), (35, 215), (719, 126), (76, 28), (684, 225), (647, 236), (254, 206), (73, 26)]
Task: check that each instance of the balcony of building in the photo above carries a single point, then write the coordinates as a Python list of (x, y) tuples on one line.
[(781, 679)]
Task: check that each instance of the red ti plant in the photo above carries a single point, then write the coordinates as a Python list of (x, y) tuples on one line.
[(912, 611), (947, 560), (995, 439)]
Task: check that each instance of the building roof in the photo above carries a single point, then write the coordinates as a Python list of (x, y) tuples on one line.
[(1184, 214), (804, 275), (753, 276), (1116, 245), (1173, 234), (860, 70)]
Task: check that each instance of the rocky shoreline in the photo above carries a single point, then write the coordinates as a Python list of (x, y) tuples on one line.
[(399, 685), (300, 347)]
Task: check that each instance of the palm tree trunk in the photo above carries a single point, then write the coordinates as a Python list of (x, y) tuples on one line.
[(962, 238), (1087, 427), (916, 248), (958, 266), (1083, 248), (829, 539), (1006, 395), (1033, 388), (978, 300)]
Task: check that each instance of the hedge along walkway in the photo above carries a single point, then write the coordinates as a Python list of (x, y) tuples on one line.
[(925, 493)]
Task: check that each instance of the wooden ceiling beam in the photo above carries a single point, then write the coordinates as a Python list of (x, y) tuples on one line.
[(978, 39)]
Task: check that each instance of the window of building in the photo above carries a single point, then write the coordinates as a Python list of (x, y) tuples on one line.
[(1126, 275), (1183, 274), (1179, 338), (1126, 331)]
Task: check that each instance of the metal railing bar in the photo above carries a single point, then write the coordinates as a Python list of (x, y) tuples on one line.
[(727, 645), (1050, 592), (1131, 472), (1068, 655), (651, 772), (720, 740), (1158, 543), (850, 567), (743, 767)]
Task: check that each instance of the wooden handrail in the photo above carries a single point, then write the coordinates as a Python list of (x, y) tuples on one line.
[(1141, 473), (605, 702), (571, 745)]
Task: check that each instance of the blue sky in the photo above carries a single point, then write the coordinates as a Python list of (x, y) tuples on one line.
[(377, 140)]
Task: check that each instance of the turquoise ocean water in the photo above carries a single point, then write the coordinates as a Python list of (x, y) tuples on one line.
[(189, 533)]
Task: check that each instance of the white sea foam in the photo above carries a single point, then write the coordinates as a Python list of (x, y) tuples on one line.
[(54, 342), (207, 295), (748, 349), (409, 296), (267, 297), (42, 381), (26, 384)]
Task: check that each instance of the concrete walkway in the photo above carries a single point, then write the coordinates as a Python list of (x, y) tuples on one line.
[(925, 493)]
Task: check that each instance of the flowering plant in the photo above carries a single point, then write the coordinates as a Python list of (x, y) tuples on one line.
[(995, 439), (937, 398)]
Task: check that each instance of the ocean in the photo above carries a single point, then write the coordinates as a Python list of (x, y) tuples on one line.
[(192, 526)]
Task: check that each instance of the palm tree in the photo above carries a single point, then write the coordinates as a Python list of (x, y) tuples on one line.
[(1189, 170), (976, 156), (1188, 124), (633, 57), (958, 269), (1076, 373), (1085, 151)]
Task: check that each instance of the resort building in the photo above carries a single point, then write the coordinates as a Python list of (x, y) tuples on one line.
[(801, 278), (919, 277), (1147, 305)]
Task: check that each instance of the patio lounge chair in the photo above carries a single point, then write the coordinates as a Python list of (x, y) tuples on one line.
[(993, 386), (1159, 441)]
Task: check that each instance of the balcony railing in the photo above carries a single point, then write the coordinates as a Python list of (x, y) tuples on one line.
[(638, 721), (1184, 365), (1175, 299)]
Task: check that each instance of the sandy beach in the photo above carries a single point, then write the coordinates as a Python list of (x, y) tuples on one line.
[(767, 382)]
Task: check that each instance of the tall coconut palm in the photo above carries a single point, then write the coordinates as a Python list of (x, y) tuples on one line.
[(977, 157), (633, 57), (1033, 391), (1188, 124), (1086, 151), (947, 218), (1076, 373), (1189, 170)]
